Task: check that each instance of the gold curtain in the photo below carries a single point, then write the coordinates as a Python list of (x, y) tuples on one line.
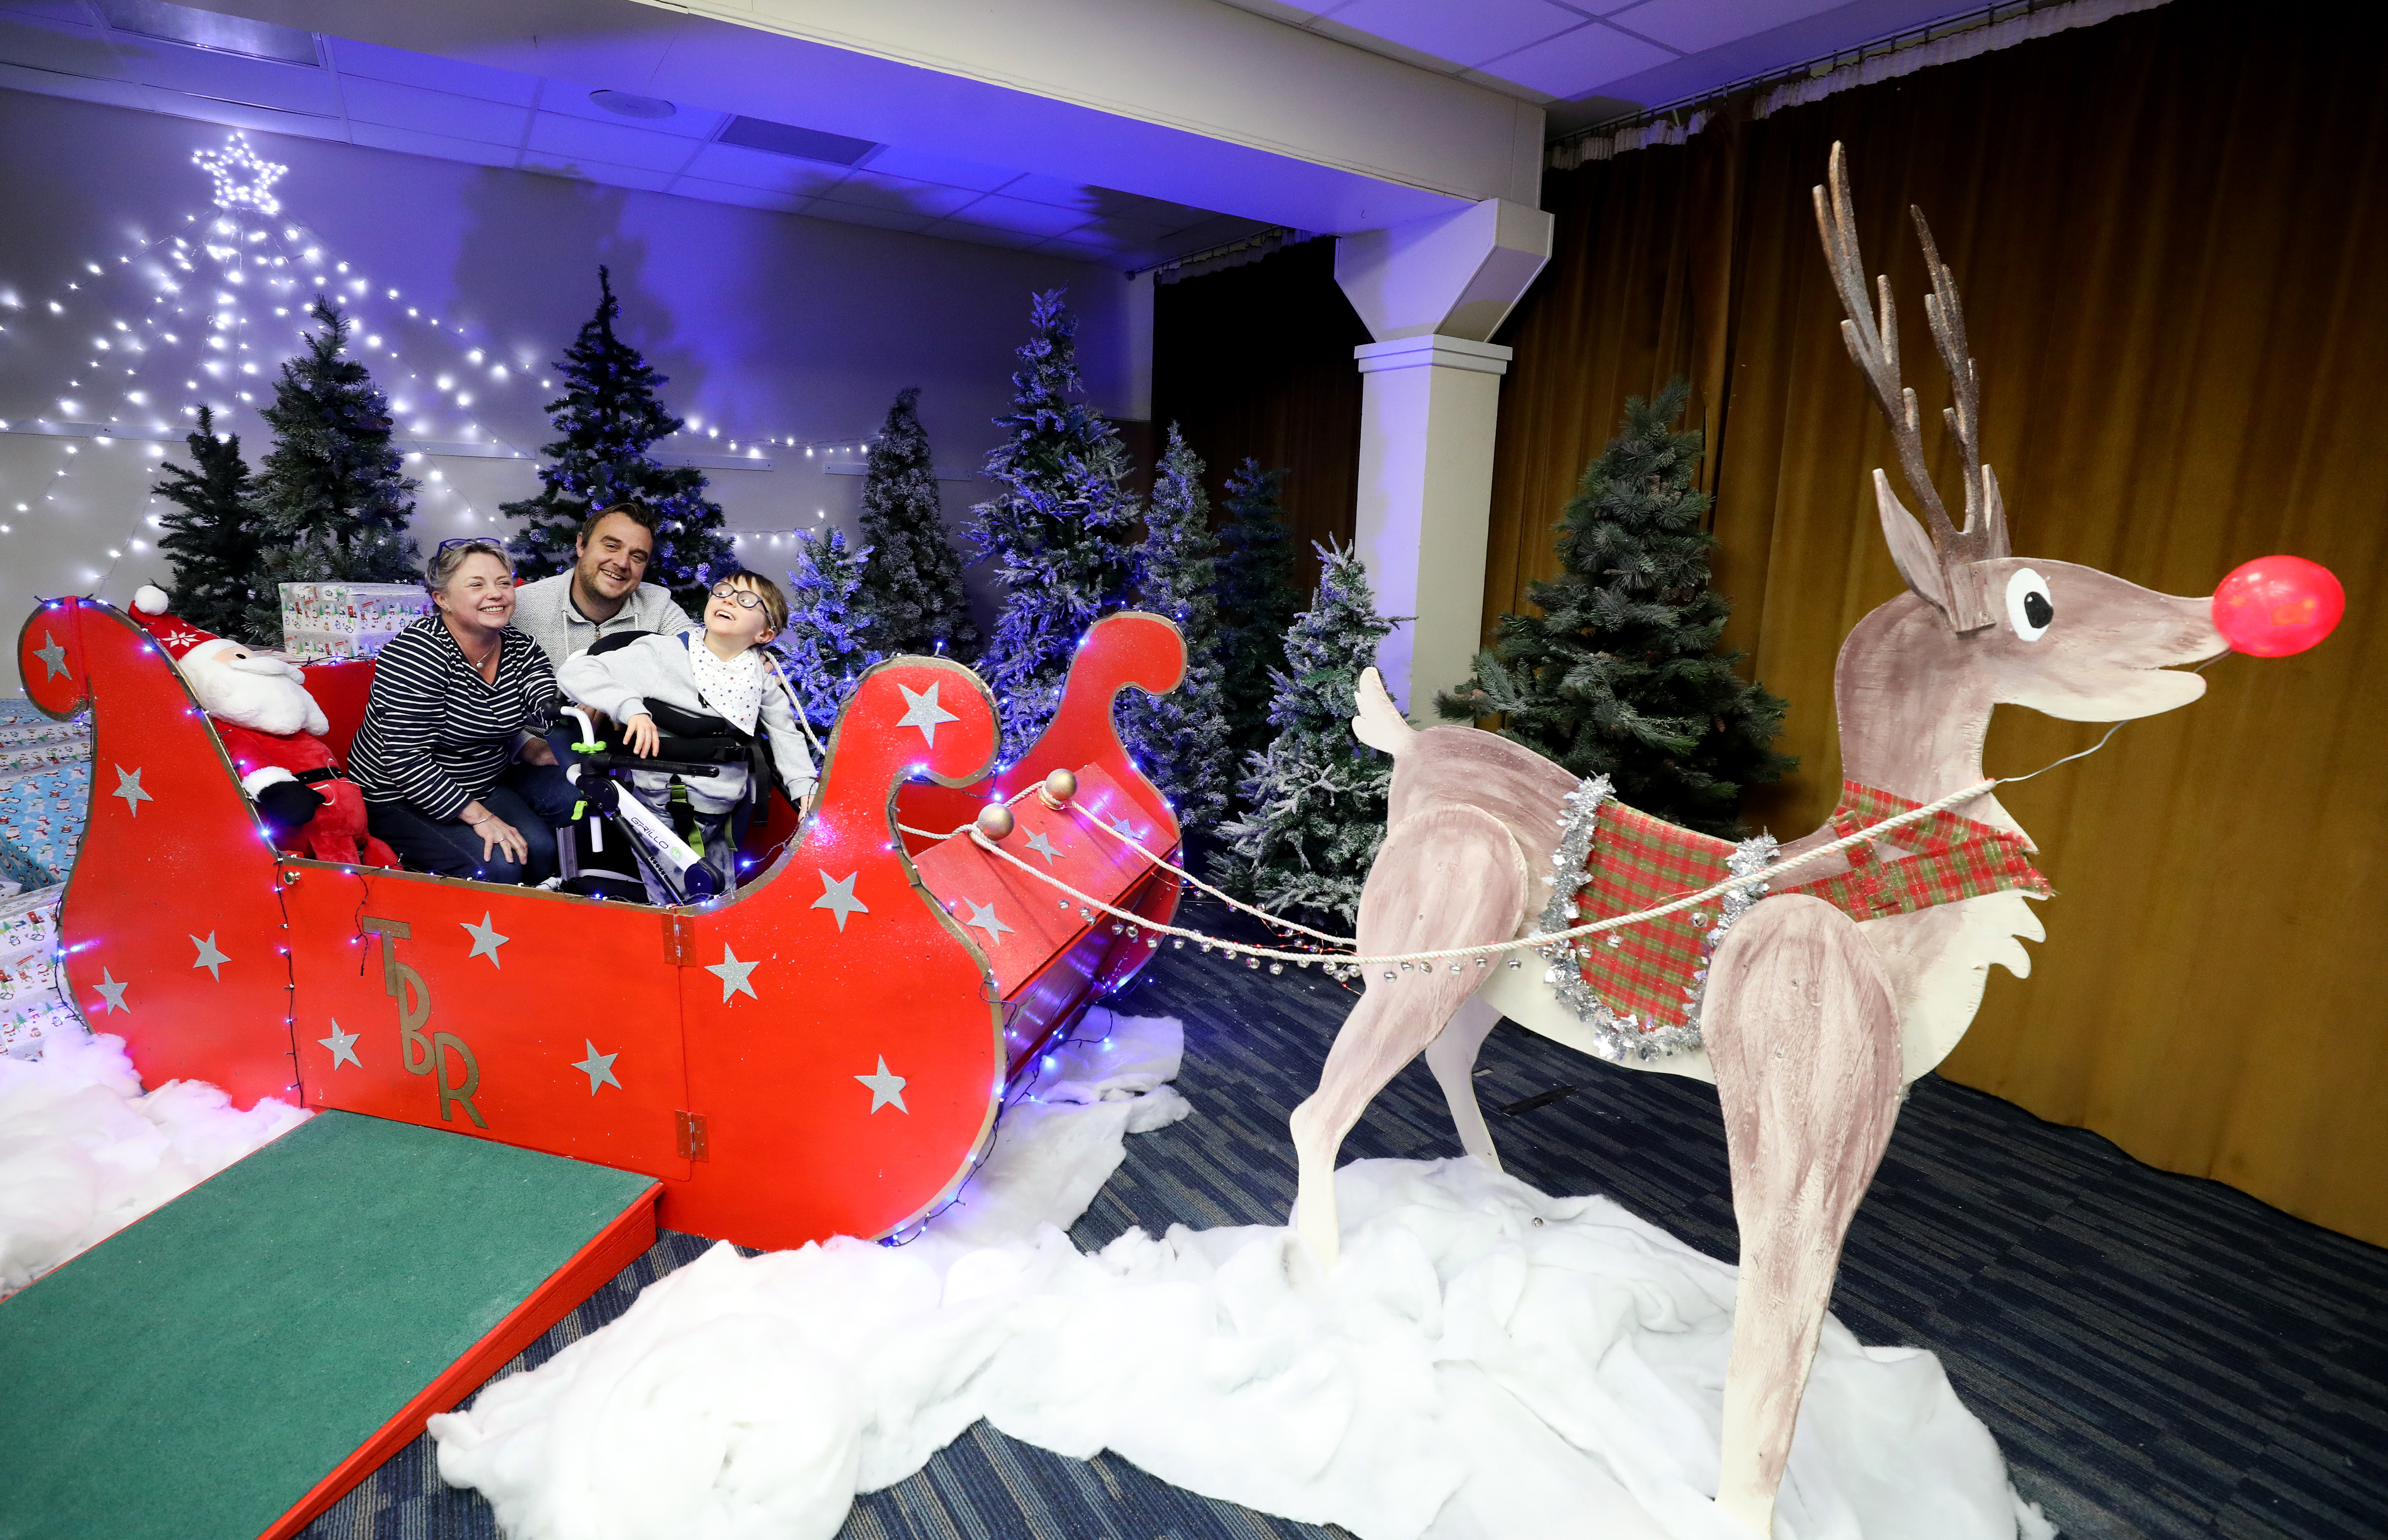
[(2169, 230)]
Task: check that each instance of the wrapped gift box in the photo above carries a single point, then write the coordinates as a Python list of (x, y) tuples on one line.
[(31, 1006), (45, 793), (333, 620)]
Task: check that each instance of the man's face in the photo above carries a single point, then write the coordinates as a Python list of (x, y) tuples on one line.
[(614, 556)]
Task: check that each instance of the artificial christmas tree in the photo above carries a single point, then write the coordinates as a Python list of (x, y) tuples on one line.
[(329, 503), (1256, 600), (912, 583), (609, 416), (1055, 530), (208, 540), (828, 644), (1315, 797), (1180, 739), (1620, 675)]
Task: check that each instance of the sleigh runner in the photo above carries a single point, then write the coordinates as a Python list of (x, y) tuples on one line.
[(822, 1054)]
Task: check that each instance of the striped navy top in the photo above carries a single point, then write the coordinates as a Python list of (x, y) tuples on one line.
[(436, 734)]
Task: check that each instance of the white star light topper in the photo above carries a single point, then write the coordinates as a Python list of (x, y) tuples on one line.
[(243, 181)]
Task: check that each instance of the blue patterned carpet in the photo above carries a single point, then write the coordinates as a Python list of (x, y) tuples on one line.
[(2159, 1356)]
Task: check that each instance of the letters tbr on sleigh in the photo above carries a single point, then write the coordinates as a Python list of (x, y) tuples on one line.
[(433, 1054)]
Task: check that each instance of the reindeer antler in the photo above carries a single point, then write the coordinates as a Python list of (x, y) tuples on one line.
[(1874, 346)]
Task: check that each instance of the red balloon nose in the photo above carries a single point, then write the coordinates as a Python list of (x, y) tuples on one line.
[(2274, 605)]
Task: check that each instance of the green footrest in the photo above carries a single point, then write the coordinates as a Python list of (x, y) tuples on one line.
[(198, 1373)]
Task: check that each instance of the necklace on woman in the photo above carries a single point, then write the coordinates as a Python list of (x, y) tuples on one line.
[(482, 661)]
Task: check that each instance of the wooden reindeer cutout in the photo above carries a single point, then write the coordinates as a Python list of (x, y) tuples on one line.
[(1818, 1005)]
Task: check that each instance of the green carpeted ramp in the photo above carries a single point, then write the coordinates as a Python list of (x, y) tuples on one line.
[(201, 1372)]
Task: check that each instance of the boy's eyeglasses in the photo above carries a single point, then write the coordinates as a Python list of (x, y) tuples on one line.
[(742, 598)]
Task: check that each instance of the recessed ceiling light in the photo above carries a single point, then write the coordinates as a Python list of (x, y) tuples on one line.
[(630, 105)]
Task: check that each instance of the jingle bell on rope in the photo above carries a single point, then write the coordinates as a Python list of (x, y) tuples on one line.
[(2276, 606)]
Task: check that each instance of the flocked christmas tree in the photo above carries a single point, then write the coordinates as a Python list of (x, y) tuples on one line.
[(609, 417), (1315, 797), (829, 640), (330, 505), (1180, 739), (1620, 675), (1256, 600), (1054, 531), (912, 583), (209, 540)]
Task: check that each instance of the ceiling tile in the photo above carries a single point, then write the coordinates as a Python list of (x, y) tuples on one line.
[(1467, 34), (439, 112), (1122, 232), (576, 138), (611, 175), (1082, 251), (1017, 213), (984, 235), (1579, 61), (898, 195), (228, 77), (763, 170), (443, 145), (854, 213), (898, 161), (730, 192), (1692, 25), (1090, 202), (432, 73), (686, 121), (42, 45), (72, 13)]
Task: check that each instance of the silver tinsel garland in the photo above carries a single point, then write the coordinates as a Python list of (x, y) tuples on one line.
[(1625, 1037)]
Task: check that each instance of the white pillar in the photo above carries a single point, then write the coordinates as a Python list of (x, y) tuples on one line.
[(1431, 292), (1429, 408)]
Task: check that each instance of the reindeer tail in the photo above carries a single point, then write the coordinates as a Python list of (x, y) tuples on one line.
[(1381, 724)]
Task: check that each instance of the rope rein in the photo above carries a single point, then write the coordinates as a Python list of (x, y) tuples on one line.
[(1485, 951)]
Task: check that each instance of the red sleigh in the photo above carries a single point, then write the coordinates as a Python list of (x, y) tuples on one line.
[(822, 1054)]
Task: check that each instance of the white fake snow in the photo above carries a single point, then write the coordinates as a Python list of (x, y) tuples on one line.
[(1485, 1361), (85, 1153)]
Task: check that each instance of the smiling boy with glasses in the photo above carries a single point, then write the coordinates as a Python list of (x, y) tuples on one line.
[(717, 671)]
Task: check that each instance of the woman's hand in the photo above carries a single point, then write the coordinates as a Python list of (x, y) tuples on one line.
[(497, 836), (641, 736), (537, 751)]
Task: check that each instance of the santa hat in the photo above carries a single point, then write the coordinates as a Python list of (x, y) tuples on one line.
[(181, 640)]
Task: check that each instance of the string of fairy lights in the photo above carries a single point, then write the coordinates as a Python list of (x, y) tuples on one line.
[(203, 313)]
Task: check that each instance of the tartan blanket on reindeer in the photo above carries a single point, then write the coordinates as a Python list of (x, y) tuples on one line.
[(1639, 986)]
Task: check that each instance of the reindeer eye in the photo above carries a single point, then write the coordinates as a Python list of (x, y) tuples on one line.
[(2029, 609)]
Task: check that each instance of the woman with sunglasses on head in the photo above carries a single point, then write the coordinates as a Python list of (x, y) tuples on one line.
[(714, 674), (455, 775)]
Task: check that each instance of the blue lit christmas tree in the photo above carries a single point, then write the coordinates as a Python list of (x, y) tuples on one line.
[(912, 584), (1315, 795), (610, 416), (828, 642), (1256, 600), (1055, 530), (1180, 739)]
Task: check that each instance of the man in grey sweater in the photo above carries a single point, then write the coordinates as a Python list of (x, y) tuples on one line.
[(604, 593)]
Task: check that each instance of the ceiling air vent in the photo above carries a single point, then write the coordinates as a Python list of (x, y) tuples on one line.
[(632, 106), (805, 143), (225, 34)]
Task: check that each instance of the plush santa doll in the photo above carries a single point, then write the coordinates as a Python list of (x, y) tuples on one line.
[(272, 728)]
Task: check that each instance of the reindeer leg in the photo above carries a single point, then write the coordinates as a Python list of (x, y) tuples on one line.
[(1804, 1037), (1452, 1056), (1450, 876)]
